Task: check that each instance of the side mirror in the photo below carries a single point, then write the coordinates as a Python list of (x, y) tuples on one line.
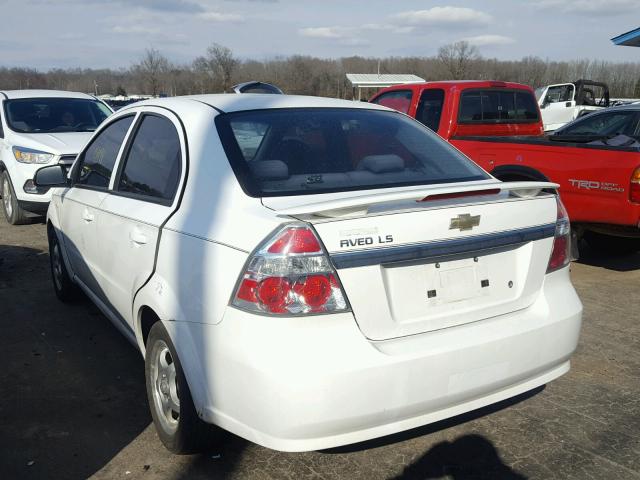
[(51, 176)]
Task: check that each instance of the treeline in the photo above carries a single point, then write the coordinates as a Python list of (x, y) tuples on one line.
[(219, 68)]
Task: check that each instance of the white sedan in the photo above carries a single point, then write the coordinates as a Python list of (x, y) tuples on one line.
[(308, 272)]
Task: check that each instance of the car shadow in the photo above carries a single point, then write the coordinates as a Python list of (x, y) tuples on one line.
[(72, 387), (467, 457), (608, 260)]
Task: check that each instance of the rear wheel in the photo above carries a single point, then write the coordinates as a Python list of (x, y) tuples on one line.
[(174, 415), (14, 214), (610, 244)]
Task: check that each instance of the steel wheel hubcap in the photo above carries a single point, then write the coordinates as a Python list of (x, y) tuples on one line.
[(165, 386), (6, 197)]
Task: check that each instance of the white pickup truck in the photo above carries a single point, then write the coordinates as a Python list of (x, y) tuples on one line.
[(564, 102)]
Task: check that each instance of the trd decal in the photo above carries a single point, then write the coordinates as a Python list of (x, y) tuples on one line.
[(593, 185)]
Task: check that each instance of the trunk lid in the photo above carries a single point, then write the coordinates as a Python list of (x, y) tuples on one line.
[(410, 264)]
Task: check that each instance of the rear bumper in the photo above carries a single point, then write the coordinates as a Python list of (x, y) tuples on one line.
[(305, 384)]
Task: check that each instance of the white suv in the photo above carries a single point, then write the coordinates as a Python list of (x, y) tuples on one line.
[(40, 127), (308, 272)]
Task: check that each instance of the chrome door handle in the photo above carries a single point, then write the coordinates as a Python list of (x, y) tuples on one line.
[(87, 216), (138, 238)]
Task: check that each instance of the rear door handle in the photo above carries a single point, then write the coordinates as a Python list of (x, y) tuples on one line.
[(87, 216), (138, 237)]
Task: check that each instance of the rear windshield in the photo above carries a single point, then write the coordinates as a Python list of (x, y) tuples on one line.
[(497, 106), (48, 115), (318, 150)]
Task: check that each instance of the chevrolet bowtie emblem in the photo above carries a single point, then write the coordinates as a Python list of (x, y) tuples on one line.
[(464, 222)]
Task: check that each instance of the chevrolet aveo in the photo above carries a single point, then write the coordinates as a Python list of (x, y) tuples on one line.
[(307, 272)]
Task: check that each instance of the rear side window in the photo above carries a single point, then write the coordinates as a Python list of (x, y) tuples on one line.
[(497, 106), (154, 161), (430, 108), (96, 164), (399, 100), (316, 150)]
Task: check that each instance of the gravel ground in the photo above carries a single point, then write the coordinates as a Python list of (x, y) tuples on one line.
[(73, 403)]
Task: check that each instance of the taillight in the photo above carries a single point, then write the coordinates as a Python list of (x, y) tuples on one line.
[(561, 253), (634, 189), (290, 274)]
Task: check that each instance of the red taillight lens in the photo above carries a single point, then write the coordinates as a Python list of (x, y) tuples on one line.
[(315, 289), (247, 290), (559, 255), (634, 189), (561, 252), (273, 292), (296, 240), (290, 274)]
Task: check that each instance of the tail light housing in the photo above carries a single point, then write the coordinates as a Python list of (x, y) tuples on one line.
[(561, 252), (290, 274), (634, 189)]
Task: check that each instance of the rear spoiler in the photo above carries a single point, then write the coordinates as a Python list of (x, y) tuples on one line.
[(360, 203)]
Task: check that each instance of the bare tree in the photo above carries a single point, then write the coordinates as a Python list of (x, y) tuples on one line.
[(219, 64), (218, 68), (152, 68), (457, 58)]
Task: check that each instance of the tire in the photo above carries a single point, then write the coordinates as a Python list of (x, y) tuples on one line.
[(63, 285), (610, 244), (14, 214), (174, 415)]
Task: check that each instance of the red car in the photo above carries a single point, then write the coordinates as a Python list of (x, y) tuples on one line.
[(596, 159)]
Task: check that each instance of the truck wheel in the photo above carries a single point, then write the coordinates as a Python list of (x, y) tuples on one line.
[(63, 285), (174, 415), (12, 211), (610, 244)]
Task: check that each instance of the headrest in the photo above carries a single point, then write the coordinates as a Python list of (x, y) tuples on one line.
[(382, 163), (270, 169)]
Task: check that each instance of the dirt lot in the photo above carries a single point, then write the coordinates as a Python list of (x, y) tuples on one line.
[(73, 403)]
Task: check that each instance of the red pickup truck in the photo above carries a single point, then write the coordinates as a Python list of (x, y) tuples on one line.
[(596, 159)]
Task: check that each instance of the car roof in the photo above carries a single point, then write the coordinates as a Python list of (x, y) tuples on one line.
[(235, 102), (11, 94)]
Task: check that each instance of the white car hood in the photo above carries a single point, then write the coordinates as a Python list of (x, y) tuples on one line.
[(62, 143)]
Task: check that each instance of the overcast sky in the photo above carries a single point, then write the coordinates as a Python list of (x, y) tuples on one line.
[(114, 33)]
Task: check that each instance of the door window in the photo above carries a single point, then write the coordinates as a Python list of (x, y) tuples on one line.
[(559, 93), (154, 161), (97, 161), (397, 99), (430, 108), (612, 123)]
